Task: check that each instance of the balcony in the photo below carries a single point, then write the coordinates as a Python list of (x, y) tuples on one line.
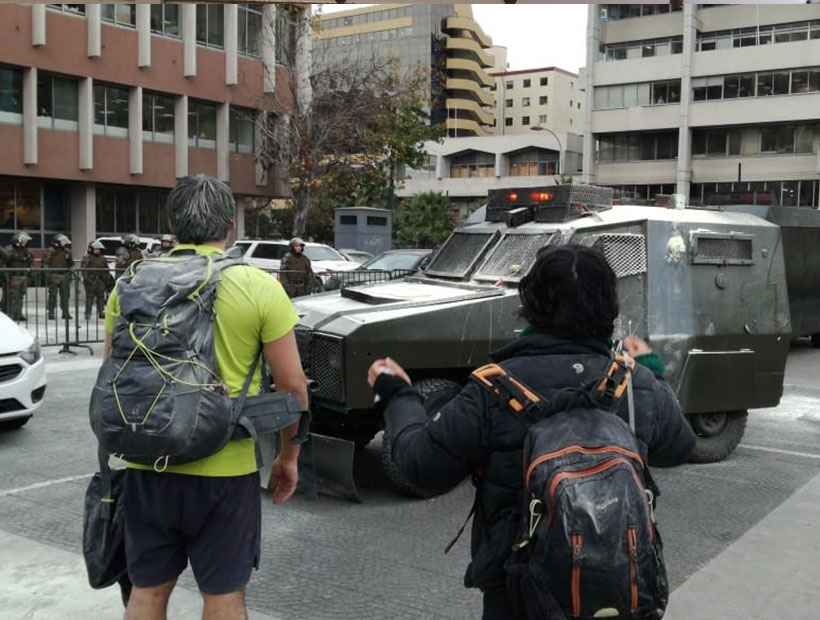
[(481, 95), (754, 110), (471, 66), (455, 24), (470, 46), (464, 127), (470, 108)]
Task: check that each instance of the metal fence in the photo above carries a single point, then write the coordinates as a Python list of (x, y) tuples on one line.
[(343, 279)]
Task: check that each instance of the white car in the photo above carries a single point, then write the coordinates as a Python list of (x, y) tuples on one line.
[(147, 244), (268, 255), (22, 374)]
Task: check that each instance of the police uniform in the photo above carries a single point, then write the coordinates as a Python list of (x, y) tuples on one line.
[(295, 272), (95, 274), (18, 257), (126, 256), (57, 260)]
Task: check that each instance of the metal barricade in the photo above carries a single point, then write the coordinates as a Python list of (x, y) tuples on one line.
[(297, 283), (51, 304), (343, 279)]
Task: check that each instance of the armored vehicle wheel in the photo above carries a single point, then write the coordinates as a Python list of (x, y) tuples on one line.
[(718, 433), (815, 341), (436, 393)]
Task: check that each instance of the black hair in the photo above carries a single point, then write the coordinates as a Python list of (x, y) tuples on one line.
[(570, 292), (200, 209)]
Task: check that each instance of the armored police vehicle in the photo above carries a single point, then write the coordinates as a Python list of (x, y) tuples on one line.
[(707, 287)]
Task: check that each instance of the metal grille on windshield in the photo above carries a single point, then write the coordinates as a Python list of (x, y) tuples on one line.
[(513, 257), (459, 254)]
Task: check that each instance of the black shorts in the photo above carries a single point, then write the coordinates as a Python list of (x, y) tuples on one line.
[(173, 518)]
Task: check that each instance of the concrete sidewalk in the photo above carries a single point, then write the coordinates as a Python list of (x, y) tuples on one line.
[(40, 582), (772, 571)]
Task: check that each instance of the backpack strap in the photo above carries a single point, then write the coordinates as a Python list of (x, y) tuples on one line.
[(523, 401)]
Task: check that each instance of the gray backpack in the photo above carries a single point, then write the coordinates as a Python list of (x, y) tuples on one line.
[(158, 399)]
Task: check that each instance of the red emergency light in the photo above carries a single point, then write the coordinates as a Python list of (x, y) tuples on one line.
[(541, 197), (512, 197)]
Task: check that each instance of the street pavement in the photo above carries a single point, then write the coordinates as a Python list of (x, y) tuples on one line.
[(741, 537)]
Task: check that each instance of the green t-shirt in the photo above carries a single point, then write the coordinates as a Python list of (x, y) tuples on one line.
[(251, 308)]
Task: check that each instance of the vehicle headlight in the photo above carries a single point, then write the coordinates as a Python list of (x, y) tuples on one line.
[(32, 354)]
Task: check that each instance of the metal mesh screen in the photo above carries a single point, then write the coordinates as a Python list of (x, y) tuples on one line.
[(625, 253), (326, 362), (303, 337), (724, 249), (458, 254), (514, 256)]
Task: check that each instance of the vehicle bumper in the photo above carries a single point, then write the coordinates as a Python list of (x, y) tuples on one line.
[(23, 394)]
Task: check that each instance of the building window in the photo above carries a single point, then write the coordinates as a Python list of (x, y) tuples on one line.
[(110, 110), (508, 122), (533, 162), (158, 118), (124, 210), (285, 36), (525, 120), (735, 86), (784, 82), (250, 28), (375, 220), (784, 193), (165, 19), (637, 146), (210, 25), (202, 124), (472, 164), (542, 118), (34, 207), (71, 9), (57, 102), (120, 14), (614, 12), (640, 49), (508, 103), (777, 139), (525, 102), (508, 84), (243, 126), (665, 92), (761, 35), (544, 81), (527, 83), (348, 220), (542, 100), (11, 95)]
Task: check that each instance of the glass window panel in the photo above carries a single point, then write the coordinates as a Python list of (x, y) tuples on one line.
[(804, 139), (768, 139), (105, 210), (202, 23), (148, 213), (765, 84), (117, 107), (164, 116), (660, 93), (616, 97), (788, 193), (800, 82), (698, 143), (126, 211), (814, 80), (254, 31), (243, 30), (11, 90), (55, 215), (172, 20), (785, 139), (735, 142), (99, 104), (216, 32), (601, 93), (6, 204), (716, 143), (107, 12), (28, 206), (730, 87), (630, 95), (125, 14), (156, 18), (44, 95), (746, 85), (66, 105), (781, 83), (648, 144), (148, 114), (764, 36)]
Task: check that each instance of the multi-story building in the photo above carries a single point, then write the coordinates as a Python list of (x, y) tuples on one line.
[(705, 100), (104, 106), (442, 39), (549, 97)]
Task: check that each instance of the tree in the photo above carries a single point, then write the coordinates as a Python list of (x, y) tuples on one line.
[(423, 221), (340, 133)]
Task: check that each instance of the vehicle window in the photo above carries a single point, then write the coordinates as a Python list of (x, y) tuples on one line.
[(270, 251), (322, 252), (396, 260), (110, 246), (242, 246), (459, 253)]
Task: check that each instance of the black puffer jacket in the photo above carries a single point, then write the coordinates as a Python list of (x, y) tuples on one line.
[(476, 435)]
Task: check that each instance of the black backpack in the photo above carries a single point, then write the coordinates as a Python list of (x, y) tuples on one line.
[(158, 399), (588, 546)]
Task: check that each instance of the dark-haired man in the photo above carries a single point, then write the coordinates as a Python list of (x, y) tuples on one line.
[(208, 512), (569, 298)]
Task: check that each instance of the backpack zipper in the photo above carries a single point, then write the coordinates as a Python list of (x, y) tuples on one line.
[(577, 545), (591, 471), (632, 537), (572, 449)]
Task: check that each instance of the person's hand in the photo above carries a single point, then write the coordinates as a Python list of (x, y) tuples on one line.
[(385, 364), (635, 346), (283, 479)]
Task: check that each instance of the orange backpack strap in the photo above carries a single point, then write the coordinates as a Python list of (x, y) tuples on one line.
[(498, 381), (614, 384)]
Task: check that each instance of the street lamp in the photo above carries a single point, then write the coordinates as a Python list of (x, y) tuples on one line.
[(560, 147)]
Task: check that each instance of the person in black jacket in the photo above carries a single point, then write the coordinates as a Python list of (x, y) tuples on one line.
[(569, 299)]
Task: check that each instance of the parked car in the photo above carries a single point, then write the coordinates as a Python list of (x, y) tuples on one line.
[(22, 374), (356, 256), (388, 265), (268, 254)]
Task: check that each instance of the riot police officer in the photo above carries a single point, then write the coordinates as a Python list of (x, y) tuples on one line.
[(129, 253), (166, 244), (95, 274), (57, 260), (18, 257), (295, 272)]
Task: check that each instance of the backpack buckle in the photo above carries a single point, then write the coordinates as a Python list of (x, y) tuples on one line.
[(535, 516)]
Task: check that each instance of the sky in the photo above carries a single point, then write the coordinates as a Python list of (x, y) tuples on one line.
[(535, 35)]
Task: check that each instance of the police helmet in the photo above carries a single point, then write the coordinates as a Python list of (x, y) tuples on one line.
[(62, 241), (167, 237), (130, 240), (21, 238), (296, 241), (96, 245)]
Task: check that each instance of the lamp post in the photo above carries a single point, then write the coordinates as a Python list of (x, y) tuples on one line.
[(560, 147)]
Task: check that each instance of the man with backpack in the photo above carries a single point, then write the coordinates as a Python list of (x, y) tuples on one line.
[(570, 533), (211, 316)]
